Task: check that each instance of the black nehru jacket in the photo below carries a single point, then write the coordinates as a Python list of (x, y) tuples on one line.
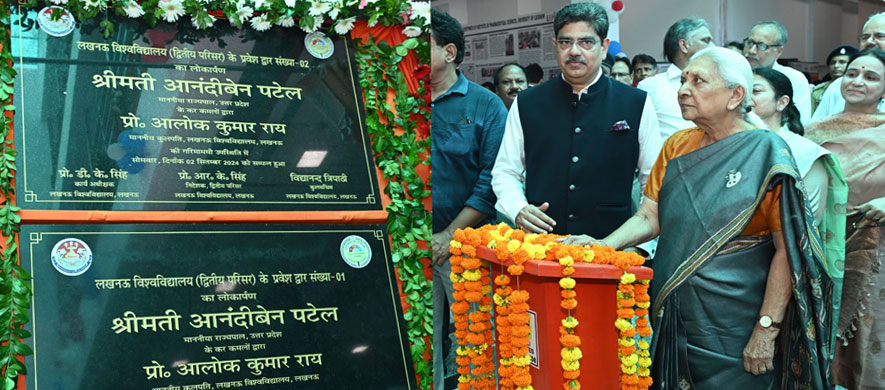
[(575, 157)]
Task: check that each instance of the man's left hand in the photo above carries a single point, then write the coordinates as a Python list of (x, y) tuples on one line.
[(440, 246)]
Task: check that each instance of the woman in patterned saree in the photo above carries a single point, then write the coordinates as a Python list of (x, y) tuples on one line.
[(857, 137), (741, 292)]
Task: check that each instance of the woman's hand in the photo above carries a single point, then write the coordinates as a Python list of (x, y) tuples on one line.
[(581, 240), (873, 210), (759, 352)]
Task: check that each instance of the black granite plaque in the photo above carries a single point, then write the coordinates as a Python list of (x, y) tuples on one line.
[(169, 118), (214, 307)]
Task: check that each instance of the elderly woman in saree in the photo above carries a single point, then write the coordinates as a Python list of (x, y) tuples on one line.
[(741, 291), (857, 137)]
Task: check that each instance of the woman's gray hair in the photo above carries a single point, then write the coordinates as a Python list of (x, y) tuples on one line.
[(734, 69)]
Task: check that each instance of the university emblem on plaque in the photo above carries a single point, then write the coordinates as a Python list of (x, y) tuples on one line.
[(71, 257), (57, 28), (319, 45), (356, 252)]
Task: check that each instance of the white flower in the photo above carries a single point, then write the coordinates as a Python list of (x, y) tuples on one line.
[(317, 23), (60, 2), (290, 3), (412, 31), (172, 10), (133, 9), (336, 8), (344, 25), (420, 9), (259, 4), (286, 22), (244, 13), (261, 23), (318, 7), (96, 3)]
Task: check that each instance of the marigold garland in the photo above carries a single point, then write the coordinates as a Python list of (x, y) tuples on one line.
[(473, 329)]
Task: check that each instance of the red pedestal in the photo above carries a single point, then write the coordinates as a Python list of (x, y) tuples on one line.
[(596, 290)]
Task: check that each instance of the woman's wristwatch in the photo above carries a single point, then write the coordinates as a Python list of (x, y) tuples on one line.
[(766, 322)]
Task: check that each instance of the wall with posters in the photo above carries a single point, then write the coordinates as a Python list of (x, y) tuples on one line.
[(815, 26)]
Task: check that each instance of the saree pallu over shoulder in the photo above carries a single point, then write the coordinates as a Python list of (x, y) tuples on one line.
[(707, 198)]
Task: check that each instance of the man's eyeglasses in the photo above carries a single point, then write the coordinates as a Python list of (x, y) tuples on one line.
[(878, 37), (566, 44), (749, 43)]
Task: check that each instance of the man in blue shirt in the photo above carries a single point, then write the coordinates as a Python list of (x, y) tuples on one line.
[(467, 126)]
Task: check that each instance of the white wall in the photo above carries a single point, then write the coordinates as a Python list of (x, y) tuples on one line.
[(814, 26)]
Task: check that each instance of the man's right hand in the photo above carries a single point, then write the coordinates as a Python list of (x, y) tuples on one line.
[(533, 219)]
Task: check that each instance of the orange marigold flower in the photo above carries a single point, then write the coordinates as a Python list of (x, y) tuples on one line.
[(476, 316), (521, 351), (515, 269), (627, 350), (519, 307), (464, 370), (569, 340), (461, 335), (473, 296), (644, 331), (645, 382), (641, 312), (457, 269), (456, 260), (462, 360), (461, 325), (625, 288), (460, 236), (523, 379), (517, 319), (477, 327), (519, 296), (459, 286), (501, 252), (485, 236), (475, 339), (642, 322), (502, 280), (630, 379), (502, 310), (471, 263), (468, 250), (568, 293), (454, 250), (625, 313), (568, 304), (458, 295), (503, 291), (571, 374), (520, 331), (460, 307), (520, 341), (473, 237), (629, 332), (627, 302), (568, 271), (520, 256)]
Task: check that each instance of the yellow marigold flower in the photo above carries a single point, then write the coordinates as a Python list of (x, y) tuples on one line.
[(530, 238), (463, 351), (464, 379), (566, 261), (642, 344), (522, 361), (630, 359), (643, 371), (499, 300), (571, 354), (629, 370), (529, 387), (492, 244), (623, 325), (567, 282), (549, 244), (643, 353), (456, 244), (571, 365), (626, 341), (486, 289), (506, 361), (588, 256), (485, 308), (508, 233), (570, 322), (472, 275), (455, 278), (628, 278), (644, 362), (643, 305), (512, 246)]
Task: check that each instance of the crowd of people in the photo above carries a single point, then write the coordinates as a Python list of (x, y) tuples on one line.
[(762, 199)]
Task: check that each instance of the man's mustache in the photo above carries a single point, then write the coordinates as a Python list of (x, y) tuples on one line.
[(576, 59)]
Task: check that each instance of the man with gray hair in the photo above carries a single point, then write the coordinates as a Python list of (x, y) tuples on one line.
[(683, 39), (872, 35), (763, 46)]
